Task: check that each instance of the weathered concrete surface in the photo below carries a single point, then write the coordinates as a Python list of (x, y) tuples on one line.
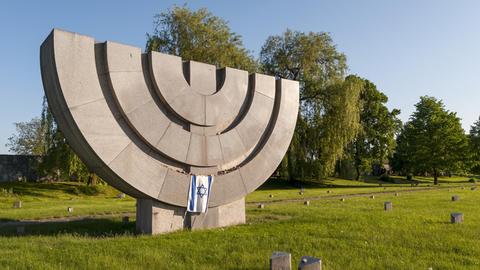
[(281, 261), (154, 217), (146, 122)]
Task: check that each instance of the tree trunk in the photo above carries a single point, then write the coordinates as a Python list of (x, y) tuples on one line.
[(357, 168), (290, 166), (92, 179), (435, 177)]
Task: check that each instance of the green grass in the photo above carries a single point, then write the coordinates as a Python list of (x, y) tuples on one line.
[(336, 186), (355, 234), (50, 200), (44, 200)]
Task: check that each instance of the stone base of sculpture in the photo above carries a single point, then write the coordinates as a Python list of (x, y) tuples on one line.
[(154, 217)]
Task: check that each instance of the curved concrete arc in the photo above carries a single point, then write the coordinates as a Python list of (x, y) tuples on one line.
[(124, 67), (217, 109), (84, 90), (235, 184)]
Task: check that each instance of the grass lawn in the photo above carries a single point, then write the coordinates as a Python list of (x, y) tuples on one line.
[(355, 234), (44, 200)]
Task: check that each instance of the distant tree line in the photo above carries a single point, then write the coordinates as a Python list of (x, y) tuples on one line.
[(344, 127)]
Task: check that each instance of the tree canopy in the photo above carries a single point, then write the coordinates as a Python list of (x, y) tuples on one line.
[(28, 138), (375, 141), (474, 137), (329, 108), (199, 36), (432, 141)]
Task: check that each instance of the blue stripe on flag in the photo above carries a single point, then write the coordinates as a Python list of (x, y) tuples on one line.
[(193, 187), (209, 187)]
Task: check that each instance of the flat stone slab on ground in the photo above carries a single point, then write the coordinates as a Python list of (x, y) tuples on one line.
[(387, 206), (20, 230), (281, 261), (17, 204), (456, 218)]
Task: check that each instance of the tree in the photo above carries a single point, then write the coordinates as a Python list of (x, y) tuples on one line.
[(28, 139), (474, 137), (329, 109), (432, 140), (200, 36), (59, 161), (375, 141)]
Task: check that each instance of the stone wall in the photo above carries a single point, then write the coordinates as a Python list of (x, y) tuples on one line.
[(18, 167)]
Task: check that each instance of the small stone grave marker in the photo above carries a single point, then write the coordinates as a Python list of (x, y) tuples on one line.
[(329, 191), (372, 197), (281, 261), (455, 198), (310, 263), (473, 188), (17, 204), (306, 202), (271, 195), (387, 206), (20, 230), (261, 206), (342, 199), (121, 195), (396, 194), (456, 218), (69, 209)]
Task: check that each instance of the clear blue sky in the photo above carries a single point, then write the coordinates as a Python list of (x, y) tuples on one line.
[(407, 48)]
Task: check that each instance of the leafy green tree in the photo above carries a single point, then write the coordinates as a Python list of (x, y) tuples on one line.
[(475, 146), (28, 138), (375, 141), (329, 108), (200, 36), (432, 140), (59, 161)]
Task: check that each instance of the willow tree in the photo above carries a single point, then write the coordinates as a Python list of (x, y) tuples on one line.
[(200, 36), (375, 142), (329, 104)]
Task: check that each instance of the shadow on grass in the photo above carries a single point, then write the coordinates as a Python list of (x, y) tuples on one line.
[(280, 184), (53, 190), (87, 228)]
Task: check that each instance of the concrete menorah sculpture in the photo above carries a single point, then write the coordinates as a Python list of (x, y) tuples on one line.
[(147, 122)]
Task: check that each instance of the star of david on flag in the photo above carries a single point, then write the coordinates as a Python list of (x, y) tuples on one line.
[(199, 192)]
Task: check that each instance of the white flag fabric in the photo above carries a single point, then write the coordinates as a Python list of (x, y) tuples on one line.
[(200, 186)]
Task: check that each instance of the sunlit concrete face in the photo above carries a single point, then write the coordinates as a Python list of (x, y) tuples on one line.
[(145, 122)]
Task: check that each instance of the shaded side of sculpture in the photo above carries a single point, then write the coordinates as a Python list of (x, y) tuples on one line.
[(145, 122)]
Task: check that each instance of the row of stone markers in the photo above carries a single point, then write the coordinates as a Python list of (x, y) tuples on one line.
[(283, 261), (388, 206)]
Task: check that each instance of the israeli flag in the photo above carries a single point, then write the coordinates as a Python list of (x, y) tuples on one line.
[(199, 192)]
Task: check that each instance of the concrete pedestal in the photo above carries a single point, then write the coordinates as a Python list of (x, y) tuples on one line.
[(154, 217)]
